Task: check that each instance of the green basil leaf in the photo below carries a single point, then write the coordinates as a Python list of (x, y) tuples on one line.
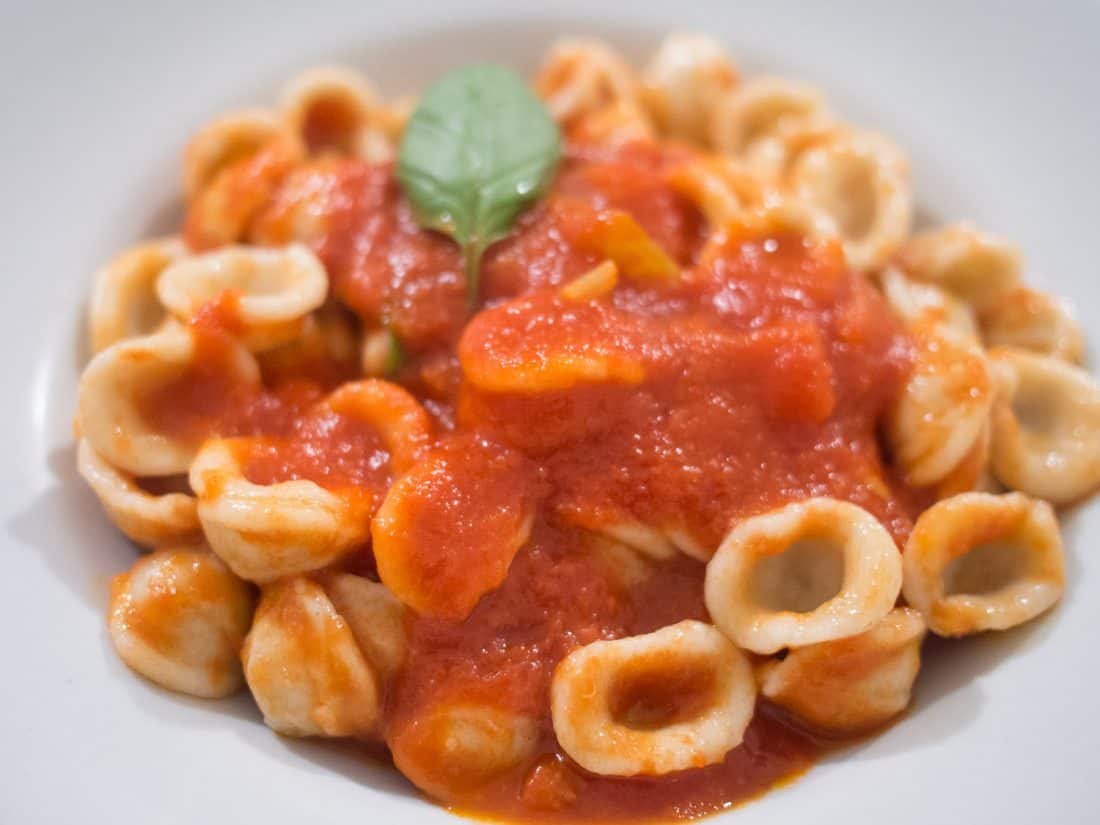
[(478, 149)]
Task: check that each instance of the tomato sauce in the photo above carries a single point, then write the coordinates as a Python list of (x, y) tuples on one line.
[(560, 595), (453, 524), (287, 434), (331, 450), (754, 377)]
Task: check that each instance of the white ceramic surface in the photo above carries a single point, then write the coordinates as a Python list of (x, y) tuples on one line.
[(996, 105)]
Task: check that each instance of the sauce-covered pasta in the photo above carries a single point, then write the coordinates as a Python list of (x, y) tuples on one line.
[(610, 485)]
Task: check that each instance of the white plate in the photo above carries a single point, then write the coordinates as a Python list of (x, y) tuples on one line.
[(997, 108)]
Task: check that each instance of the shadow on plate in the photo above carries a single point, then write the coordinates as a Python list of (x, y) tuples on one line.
[(68, 529), (361, 763)]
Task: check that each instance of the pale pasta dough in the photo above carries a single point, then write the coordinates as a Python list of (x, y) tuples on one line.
[(117, 381), (938, 427), (458, 746), (391, 411), (754, 121), (677, 698), (304, 667), (225, 141), (579, 77), (685, 82), (1046, 426), (809, 572), (848, 686), (977, 268), (333, 109), (375, 617), (273, 290), (267, 531), (983, 562), (722, 188), (124, 302), (179, 618), (926, 307), (1034, 321), (861, 182), (146, 518)]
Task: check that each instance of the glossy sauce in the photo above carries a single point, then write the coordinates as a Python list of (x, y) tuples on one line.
[(286, 433), (755, 377)]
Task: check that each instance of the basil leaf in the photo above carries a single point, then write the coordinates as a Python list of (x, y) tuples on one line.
[(477, 150)]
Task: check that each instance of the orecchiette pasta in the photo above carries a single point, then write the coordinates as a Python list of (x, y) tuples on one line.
[(860, 181), (652, 542), (331, 109), (124, 301), (179, 618), (391, 411), (456, 747), (266, 531), (304, 667), (579, 77), (148, 519), (376, 620), (626, 564), (648, 541), (782, 214), (115, 385), (983, 562), (689, 544), (685, 81), (973, 472), (942, 413), (429, 449), (848, 686), (224, 142), (615, 124), (1030, 320), (238, 172), (1046, 426), (273, 290), (975, 267), (593, 354), (752, 122), (721, 188), (809, 572), (677, 698), (926, 307)]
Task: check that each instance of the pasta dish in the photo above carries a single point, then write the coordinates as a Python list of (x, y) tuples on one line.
[(603, 448)]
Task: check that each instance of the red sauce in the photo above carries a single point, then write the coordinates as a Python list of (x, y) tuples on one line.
[(452, 525), (288, 434), (558, 596), (555, 791), (332, 450), (765, 375), (229, 202), (381, 263), (755, 378)]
